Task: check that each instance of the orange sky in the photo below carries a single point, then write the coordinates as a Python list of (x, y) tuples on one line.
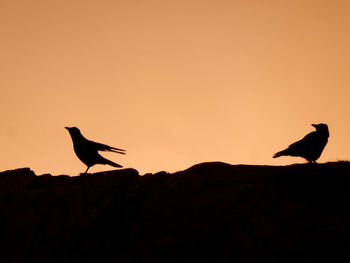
[(175, 83)]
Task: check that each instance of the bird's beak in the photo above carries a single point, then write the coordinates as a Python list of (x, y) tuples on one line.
[(315, 125), (67, 128)]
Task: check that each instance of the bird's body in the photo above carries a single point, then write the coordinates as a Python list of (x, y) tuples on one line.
[(310, 147), (87, 151)]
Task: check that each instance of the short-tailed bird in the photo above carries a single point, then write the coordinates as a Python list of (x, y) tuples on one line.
[(310, 147), (87, 151)]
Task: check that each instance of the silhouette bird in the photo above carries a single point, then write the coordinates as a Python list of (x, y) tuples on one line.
[(87, 151), (310, 147)]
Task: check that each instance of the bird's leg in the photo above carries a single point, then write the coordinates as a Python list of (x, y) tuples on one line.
[(87, 169)]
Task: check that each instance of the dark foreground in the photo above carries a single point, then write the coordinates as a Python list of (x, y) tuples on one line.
[(212, 212)]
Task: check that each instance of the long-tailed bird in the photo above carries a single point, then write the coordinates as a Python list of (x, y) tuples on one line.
[(310, 147), (87, 151)]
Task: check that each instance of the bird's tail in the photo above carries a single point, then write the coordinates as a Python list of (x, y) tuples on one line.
[(106, 161), (281, 153)]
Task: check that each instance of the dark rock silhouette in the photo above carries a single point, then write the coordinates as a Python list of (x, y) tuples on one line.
[(87, 151), (211, 212), (310, 147)]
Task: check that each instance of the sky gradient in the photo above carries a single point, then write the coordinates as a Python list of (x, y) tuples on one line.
[(174, 83)]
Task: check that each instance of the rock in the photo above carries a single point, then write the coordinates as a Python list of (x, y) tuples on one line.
[(211, 212)]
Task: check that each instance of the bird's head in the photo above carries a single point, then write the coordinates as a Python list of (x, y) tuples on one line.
[(73, 130), (321, 128)]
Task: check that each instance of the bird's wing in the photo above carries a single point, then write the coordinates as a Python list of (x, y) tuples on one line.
[(104, 147), (303, 143)]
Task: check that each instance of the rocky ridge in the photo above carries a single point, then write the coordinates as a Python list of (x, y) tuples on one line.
[(211, 212)]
